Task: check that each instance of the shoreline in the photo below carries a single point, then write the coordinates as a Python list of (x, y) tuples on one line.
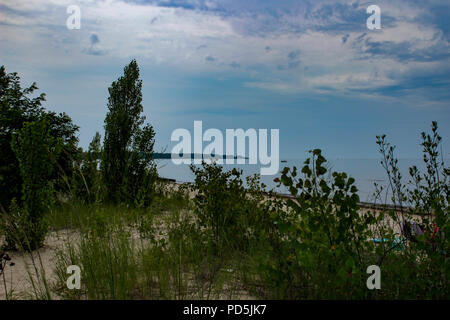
[(362, 204)]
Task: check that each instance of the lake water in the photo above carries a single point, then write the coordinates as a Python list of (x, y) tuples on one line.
[(365, 172)]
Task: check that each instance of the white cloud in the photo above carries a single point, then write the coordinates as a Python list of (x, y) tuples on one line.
[(171, 36)]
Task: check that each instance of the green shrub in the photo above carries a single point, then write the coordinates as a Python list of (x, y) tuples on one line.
[(422, 269), (223, 208), (318, 247), (36, 151)]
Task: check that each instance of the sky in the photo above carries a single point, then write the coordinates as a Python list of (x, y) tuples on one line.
[(311, 69)]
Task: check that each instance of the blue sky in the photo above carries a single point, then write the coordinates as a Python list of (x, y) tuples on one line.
[(311, 69)]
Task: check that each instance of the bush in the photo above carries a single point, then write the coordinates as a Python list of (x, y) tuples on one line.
[(223, 209), (318, 246), (36, 151), (422, 269)]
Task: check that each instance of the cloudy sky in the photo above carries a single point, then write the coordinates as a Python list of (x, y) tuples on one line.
[(311, 69)]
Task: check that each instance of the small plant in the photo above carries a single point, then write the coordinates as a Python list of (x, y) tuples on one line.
[(5, 260), (422, 216)]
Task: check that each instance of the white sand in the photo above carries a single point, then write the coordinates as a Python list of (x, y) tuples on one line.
[(18, 277)]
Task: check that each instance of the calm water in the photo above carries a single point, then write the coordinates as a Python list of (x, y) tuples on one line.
[(365, 172)]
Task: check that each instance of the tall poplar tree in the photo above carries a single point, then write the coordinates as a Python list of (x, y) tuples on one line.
[(128, 169)]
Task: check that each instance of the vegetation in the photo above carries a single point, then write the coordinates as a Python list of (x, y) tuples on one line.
[(17, 108), (127, 168), (86, 179), (36, 151), (135, 236)]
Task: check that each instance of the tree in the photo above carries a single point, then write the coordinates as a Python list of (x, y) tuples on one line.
[(36, 151), (16, 108), (127, 163), (86, 179), (91, 167)]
